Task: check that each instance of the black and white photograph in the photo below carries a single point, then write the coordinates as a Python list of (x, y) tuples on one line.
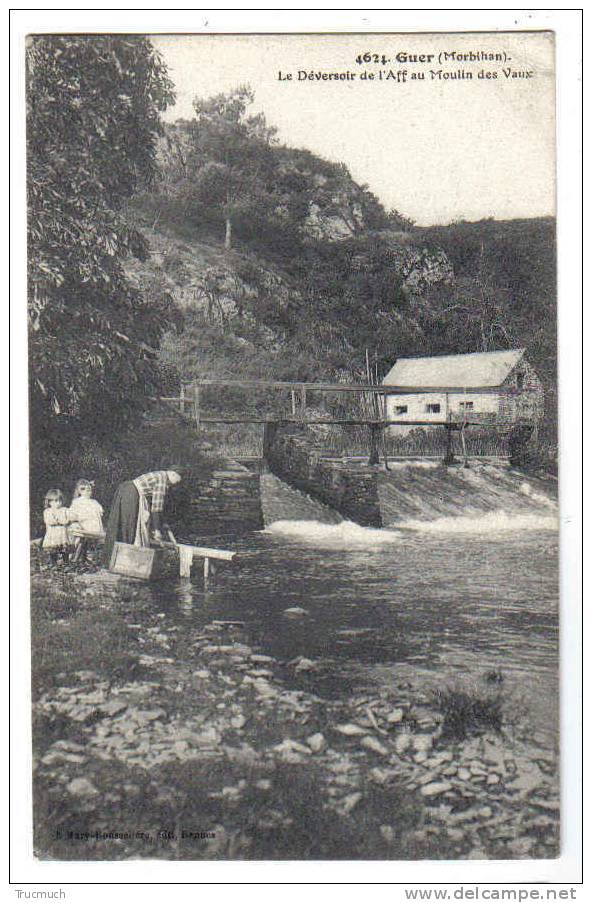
[(293, 446)]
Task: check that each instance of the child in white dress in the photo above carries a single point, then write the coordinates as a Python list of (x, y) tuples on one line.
[(56, 518), (86, 516)]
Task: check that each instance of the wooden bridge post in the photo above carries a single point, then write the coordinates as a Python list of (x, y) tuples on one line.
[(374, 440), (197, 404), (293, 400), (449, 456), (182, 399), (303, 402)]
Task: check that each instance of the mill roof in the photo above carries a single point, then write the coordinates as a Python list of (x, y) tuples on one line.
[(477, 370)]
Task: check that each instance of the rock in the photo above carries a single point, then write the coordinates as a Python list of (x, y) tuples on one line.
[(374, 745), (203, 674), (484, 812), (81, 787), (305, 664), (238, 721), (382, 776), (292, 746), (387, 833), (54, 757), (69, 745), (402, 743), (347, 803), (262, 659), (477, 853), (422, 742), (436, 788), (493, 779), (263, 687), (263, 784), (455, 833), (549, 805), (220, 625), (112, 707), (317, 742), (85, 675), (395, 716), (295, 612), (464, 774), (521, 846), (145, 716), (350, 730)]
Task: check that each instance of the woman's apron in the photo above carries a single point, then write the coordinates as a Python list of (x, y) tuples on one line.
[(142, 537)]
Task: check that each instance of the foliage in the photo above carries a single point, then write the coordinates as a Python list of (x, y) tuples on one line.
[(93, 105), (225, 156), (319, 271)]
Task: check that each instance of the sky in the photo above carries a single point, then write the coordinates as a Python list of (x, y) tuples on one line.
[(436, 149)]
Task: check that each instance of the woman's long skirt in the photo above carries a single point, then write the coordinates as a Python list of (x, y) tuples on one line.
[(123, 518)]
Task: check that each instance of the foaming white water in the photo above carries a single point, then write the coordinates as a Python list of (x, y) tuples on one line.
[(344, 535), (492, 522)]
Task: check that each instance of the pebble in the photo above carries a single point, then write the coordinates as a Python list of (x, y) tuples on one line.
[(295, 612), (305, 664), (317, 742), (455, 833), (402, 743), (464, 774), (435, 788), (374, 745), (387, 833), (350, 730), (382, 776), (422, 742), (349, 802), (394, 717), (477, 853), (81, 787)]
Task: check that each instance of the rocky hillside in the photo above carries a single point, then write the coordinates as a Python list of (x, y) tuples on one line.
[(278, 264)]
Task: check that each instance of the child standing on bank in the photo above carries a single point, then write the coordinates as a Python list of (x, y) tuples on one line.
[(86, 516), (56, 518)]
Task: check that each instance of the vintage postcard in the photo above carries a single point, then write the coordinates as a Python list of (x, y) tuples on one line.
[(293, 446)]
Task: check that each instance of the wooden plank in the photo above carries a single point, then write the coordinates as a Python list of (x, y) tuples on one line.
[(383, 423), (196, 405), (217, 554), (340, 387)]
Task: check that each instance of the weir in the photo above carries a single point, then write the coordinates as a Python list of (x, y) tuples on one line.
[(411, 490)]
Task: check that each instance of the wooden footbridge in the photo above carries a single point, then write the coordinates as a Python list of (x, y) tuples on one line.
[(189, 403)]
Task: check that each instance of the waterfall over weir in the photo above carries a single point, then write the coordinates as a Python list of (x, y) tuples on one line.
[(280, 502), (426, 496)]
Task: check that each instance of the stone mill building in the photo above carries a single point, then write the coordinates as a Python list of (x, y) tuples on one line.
[(494, 387)]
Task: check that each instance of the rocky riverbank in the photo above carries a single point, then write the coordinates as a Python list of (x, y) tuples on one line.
[(153, 739)]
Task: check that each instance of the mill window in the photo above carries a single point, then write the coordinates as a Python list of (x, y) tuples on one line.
[(401, 409), (466, 405), (432, 408)]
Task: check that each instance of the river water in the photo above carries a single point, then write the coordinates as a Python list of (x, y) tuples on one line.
[(445, 601), (319, 631)]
